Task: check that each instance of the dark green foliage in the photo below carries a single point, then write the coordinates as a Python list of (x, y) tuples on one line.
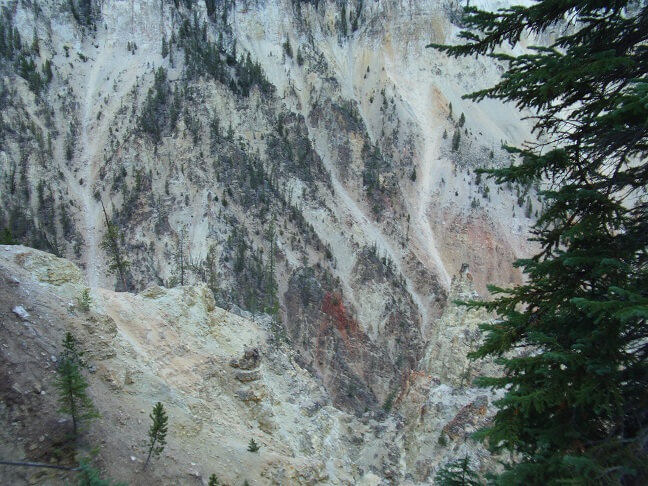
[(211, 7), (288, 48), (253, 446), (456, 140), (180, 257), (84, 12), (71, 386), (165, 47), (389, 402), (161, 109), (213, 481), (89, 476), (356, 18), (6, 238), (47, 71), (10, 43), (462, 120), (373, 163), (457, 473), (293, 151), (65, 220), (46, 207), (111, 244), (254, 274), (26, 68), (157, 432), (206, 58), (24, 57), (85, 301), (71, 350), (70, 141), (572, 339)]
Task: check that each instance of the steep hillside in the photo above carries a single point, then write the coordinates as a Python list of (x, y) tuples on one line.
[(305, 164), (264, 149), (223, 381)]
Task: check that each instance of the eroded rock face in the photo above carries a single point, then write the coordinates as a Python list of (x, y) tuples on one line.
[(223, 381), (329, 199), (49, 269), (456, 334), (250, 360), (358, 370)]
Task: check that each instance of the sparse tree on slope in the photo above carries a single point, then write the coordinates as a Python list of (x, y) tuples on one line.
[(89, 476), (71, 385), (573, 339), (118, 264), (157, 432), (457, 473)]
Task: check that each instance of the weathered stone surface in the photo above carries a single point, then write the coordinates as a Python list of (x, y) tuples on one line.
[(469, 415), (49, 269), (20, 311), (250, 394), (247, 376)]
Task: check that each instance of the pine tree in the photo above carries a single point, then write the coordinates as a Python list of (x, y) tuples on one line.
[(71, 350), (165, 47), (456, 140), (157, 432), (71, 385), (6, 238), (89, 476), (180, 256), (253, 446), (85, 301), (457, 473), (111, 245), (572, 340), (213, 480)]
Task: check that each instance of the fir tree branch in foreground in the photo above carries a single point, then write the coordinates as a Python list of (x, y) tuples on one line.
[(573, 339)]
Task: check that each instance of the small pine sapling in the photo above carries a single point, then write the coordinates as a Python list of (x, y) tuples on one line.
[(253, 446), (85, 300), (71, 385), (213, 480), (89, 476), (157, 432), (457, 473)]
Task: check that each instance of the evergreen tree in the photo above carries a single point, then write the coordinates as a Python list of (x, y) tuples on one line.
[(253, 446), (6, 238), (111, 245), (165, 47), (71, 350), (180, 257), (213, 480), (89, 476), (456, 140), (457, 473), (71, 385), (573, 339), (343, 20), (157, 432)]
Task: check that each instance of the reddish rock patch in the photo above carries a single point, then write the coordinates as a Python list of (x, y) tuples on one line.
[(333, 306)]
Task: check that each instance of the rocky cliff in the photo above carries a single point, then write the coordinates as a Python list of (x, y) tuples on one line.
[(306, 165), (223, 379)]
